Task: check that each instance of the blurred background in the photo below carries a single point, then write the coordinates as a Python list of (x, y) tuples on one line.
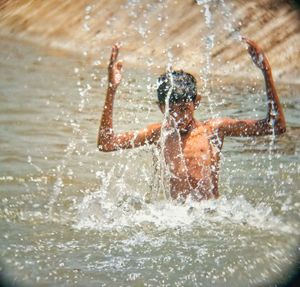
[(148, 30)]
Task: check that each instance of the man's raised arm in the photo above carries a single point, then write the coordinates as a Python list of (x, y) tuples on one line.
[(275, 117), (107, 140)]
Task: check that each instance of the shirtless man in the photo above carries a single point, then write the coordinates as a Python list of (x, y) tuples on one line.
[(191, 148)]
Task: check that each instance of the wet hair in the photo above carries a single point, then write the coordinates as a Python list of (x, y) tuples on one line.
[(183, 85)]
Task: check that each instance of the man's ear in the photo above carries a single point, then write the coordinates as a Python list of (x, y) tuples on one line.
[(197, 101)]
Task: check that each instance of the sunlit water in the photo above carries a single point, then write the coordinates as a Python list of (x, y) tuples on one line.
[(72, 215)]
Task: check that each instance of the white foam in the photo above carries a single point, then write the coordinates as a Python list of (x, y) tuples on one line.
[(94, 213)]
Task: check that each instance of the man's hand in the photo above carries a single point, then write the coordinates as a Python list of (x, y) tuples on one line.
[(114, 68), (274, 121), (257, 54)]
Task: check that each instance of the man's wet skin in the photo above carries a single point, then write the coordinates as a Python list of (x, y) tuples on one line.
[(191, 148), (191, 152)]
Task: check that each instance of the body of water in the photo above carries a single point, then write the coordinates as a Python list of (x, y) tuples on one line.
[(71, 215)]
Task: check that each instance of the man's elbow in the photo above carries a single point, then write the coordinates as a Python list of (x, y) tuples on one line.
[(105, 143), (105, 147), (280, 130), (277, 128)]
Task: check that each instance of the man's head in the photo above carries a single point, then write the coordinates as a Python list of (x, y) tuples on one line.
[(179, 90), (177, 87)]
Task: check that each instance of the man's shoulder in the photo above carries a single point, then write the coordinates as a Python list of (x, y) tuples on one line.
[(210, 125), (213, 122), (154, 127), (218, 122)]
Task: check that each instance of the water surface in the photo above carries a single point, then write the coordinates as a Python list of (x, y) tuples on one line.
[(71, 215)]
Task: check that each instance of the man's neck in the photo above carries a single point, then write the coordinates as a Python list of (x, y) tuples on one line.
[(192, 125)]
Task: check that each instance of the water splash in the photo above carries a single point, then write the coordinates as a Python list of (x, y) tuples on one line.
[(76, 145), (163, 173), (229, 21), (209, 45), (270, 171), (170, 215), (87, 17), (36, 167)]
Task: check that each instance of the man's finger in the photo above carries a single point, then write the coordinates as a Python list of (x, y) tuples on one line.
[(114, 53), (250, 42)]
